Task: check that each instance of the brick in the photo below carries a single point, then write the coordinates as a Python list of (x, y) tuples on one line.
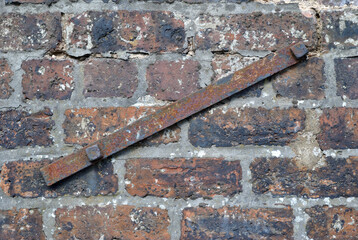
[(24, 179), (110, 78), (283, 176), (338, 128), (249, 126), (254, 31), (347, 77), (332, 223), (340, 29), (112, 222), (303, 81), (19, 128), (21, 224), (339, 3), (183, 178), (108, 31), (173, 80), (24, 32), (47, 79), (237, 223), (5, 78), (86, 125), (48, 2)]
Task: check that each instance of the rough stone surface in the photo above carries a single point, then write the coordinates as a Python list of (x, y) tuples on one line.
[(48, 2), (339, 3), (5, 78), (347, 77)]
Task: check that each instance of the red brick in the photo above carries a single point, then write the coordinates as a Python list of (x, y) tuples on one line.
[(48, 2), (5, 78), (338, 128), (255, 31), (347, 77), (237, 223), (24, 179), (112, 222), (86, 125), (47, 79), (172, 80), (282, 176), (183, 178), (148, 31), (19, 128), (22, 224), (249, 126), (332, 223), (303, 81), (23, 32), (110, 78)]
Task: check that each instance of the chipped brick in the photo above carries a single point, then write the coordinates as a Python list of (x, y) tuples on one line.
[(5, 78), (347, 77), (47, 79), (237, 223), (112, 222)]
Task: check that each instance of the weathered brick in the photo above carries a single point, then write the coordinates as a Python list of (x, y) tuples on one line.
[(283, 176), (332, 223), (148, 31), (183, 178), (303, 81), (20, 128), (339, 3), (338, 128), (20, 32), (5, 78), (48, 2), (340, 29), (249, 126), (347, 77), (24, 179), (21, 224), (110, 78), (255, 31), (237, 223), (112, 222), (172, 80), (47, 79), (86, 125)]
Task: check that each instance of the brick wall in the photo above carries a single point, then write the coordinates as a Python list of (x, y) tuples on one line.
[(277, 161)]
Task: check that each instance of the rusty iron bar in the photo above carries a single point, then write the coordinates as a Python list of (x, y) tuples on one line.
[(173, 113)]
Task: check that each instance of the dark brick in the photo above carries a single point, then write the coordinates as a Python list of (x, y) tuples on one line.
[(24, 179), (347, 77), (282, 176), (48, 2), (47, 79), (339, 3), (332, 223), (110, 78), (112, 222), (303, 81), (249, 126), (338, 128), (22, 224), (5, 78), (255, 31), (20, 128), (172, 80), (19, 32), (237, 223), (183, 178), (148, 31)]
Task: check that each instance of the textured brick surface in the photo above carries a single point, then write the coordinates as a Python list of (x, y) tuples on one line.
[(237, 223), (86, 125), (282, 176), (247, 126), (172, 80), (20, 32), (47, 79), (183, 178), (48, 2), (5, 78), (20, 128), (110, 222), (332, 223), (21, 224), (338, 128), (339, 3), (347, 77), (24, 179)]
